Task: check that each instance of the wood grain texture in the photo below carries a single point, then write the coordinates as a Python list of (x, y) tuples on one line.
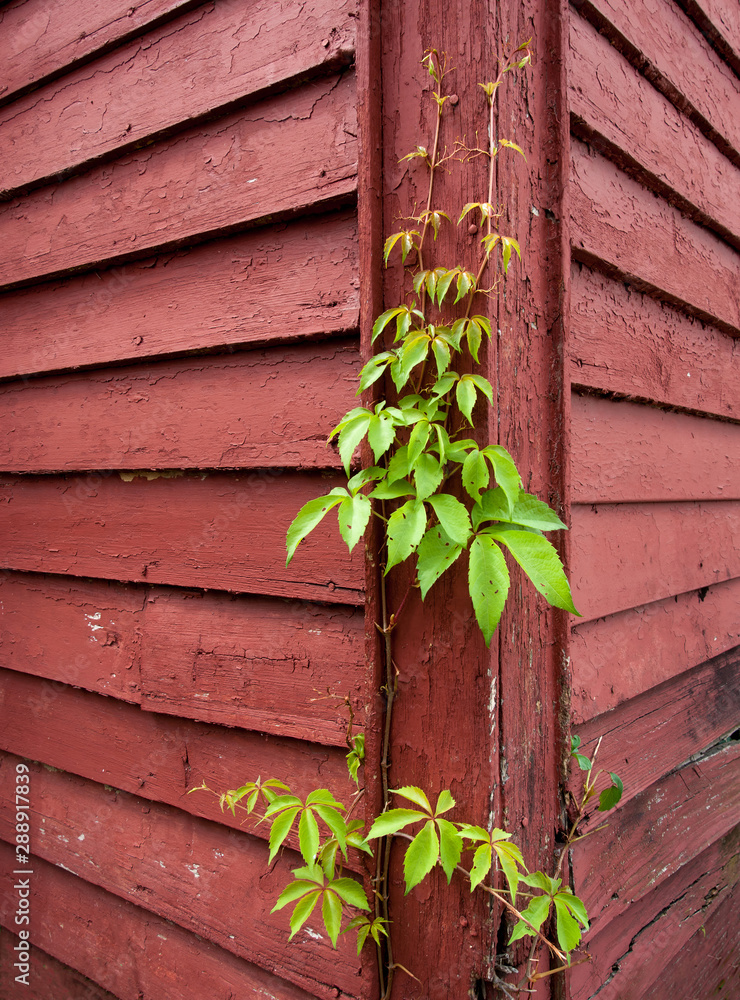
[(83, 925), (182, 869), (41, 41), (628, 452), (81, 632), (252, 409), (628, 231), (48, 978), (672, 53), (625, 555), (217, 531), (619, 657), (708, 963), (199, 64), (279, 283), (626, 342), (272, 666), (154, 756), (218, 176), (657, 732), (615, 108), (657, 833), (641, 946)]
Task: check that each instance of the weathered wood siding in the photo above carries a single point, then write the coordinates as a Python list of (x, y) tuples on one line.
[(179, 304), (654, 367)]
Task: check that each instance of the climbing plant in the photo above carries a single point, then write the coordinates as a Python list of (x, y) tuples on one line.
[(443, 496)]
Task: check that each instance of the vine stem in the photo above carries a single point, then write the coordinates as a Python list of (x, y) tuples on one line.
[(502, 899)]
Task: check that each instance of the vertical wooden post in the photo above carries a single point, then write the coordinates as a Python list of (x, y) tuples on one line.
[(459, 704)]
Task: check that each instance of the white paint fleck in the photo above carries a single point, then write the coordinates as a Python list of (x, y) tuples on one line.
[(535, 211), (194, 870), (251, 180), (81, 836), (312, 934), (161, 937)]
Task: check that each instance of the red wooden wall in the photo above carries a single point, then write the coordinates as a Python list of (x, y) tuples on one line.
[(182, 273), (180, 295), (654, 96)]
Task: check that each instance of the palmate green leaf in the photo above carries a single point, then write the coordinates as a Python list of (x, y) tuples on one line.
[(567, 927), (308, 836), (539, 880), (418, 440), (352, 432), (303, 910), (421, 856), (331, 911), (351, 892), (450, 847), (510, 858), (393, 490), (442, 355), (381, 434), (583, 762), (308, 517), (384, 319), (436, 553), (280, 829), (443, 283), (466, 395), (406, 528), (428, 475), (411, 354), (445, 802), (392, 821), (475, 474), (527, 510), (292, 892), (416, 795), (536, 913), (353, 517), (488, 582), (540, 561), (374, 369), (482, 861), (505, 471), (453, 517), (336, 824), (611, 796), (465, 284)]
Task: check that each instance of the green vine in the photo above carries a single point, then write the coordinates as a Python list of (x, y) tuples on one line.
[(441, 497)]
